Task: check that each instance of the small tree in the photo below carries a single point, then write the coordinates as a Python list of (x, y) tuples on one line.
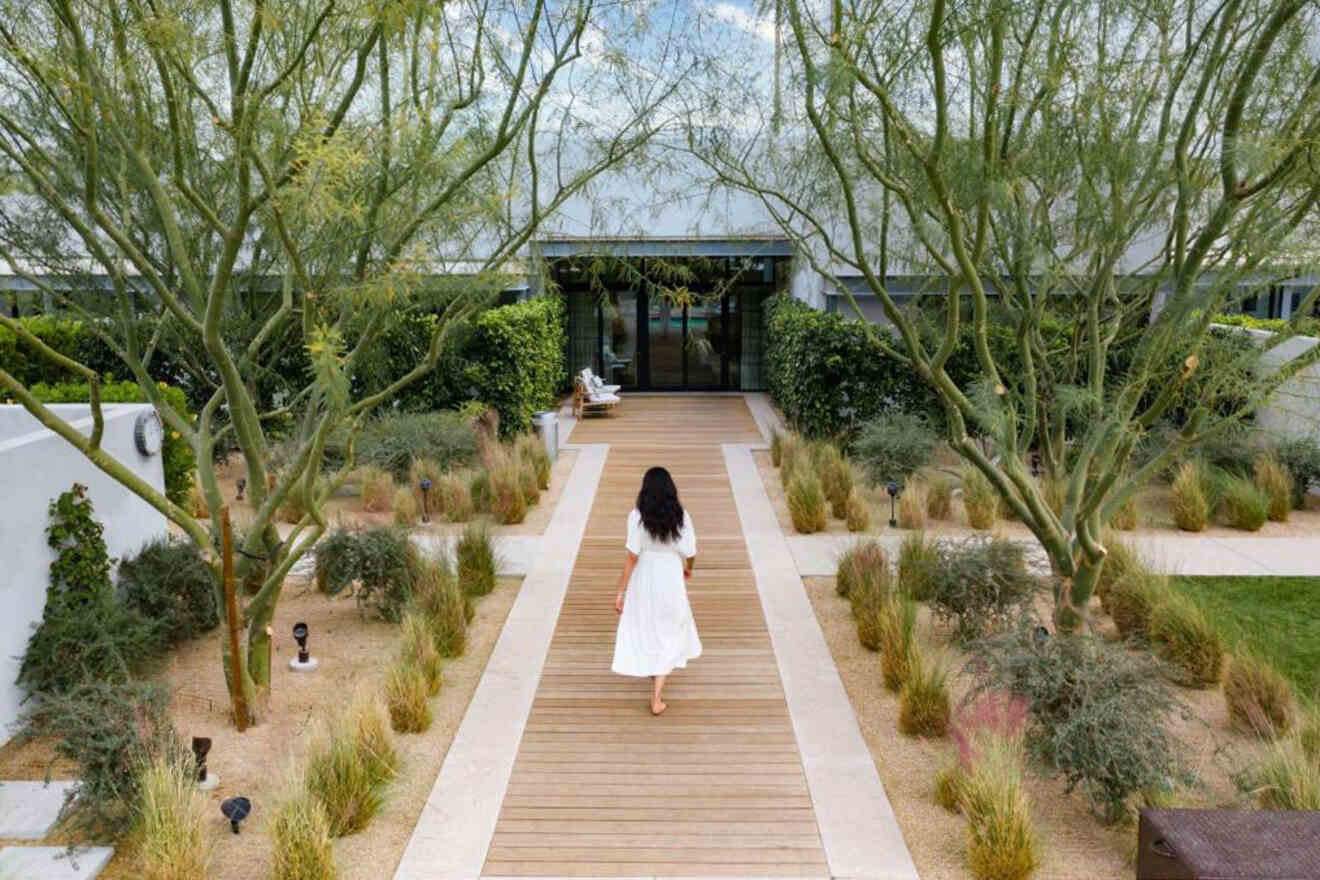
[(212, 186), (1085, 185)]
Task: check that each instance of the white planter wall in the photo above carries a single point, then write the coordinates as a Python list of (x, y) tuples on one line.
[(1294, 409), (36, 465)]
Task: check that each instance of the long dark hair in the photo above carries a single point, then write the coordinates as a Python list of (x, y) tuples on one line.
[(657, 502)]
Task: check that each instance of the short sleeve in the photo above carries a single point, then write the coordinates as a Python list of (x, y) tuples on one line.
[(687, 541), (634, 543)]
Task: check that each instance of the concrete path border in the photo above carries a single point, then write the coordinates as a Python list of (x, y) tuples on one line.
[(858, 828), (455, 827)]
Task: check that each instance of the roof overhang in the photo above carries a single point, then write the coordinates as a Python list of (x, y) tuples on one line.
[(727, 246)]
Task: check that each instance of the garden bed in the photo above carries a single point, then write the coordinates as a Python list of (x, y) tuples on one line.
[(1074, 843)]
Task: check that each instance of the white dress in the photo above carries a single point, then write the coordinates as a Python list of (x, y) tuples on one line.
[(656, 631)]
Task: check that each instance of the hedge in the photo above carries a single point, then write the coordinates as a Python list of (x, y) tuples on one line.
[(177, 455), (68, 336), (515, 360), (1303, 326)]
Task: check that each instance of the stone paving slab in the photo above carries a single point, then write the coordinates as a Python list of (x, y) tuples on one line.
[(53, 862), (30, 808)]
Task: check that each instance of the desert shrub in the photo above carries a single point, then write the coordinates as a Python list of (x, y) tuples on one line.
[(836, 478), (109, 731), (776, 446), (979, 583), (300, 837), (1272, 479), (1300, 457), (376, 488), (858, 514), (1286, 779), (527, 479), (1124, 518), (479, 490), (417, 648), (508, 504), (1183, 636), (939, 497), (1001, 843), (393, 440), (1097, 711), (918, 566), (1191, 507), (897, 623), (169, 584), (404, 507), (453, 495), (980, 500), (382, 561), (925, 707), (349, 764), (530, 449), (806, 501), (439, 601), (407, 696), (171, 838), (912, 507), (1259, 698), (85, 631), (475, 557), (895, 445), (1131, 599), (862, 562), (1246, 506)]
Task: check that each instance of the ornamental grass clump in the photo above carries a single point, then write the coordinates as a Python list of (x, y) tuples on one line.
[(404, 508), (939, 498), (1121, 559), (791, 448), (407, 696), (1191, 506), (912, 507), (1287, 779), (1259, 697), (858, 513), (417, 648), (896, 624), (528, 480), (867, 584), (980, 500), (1300, 457), (350, 764), (475, 557), (424, 469), (806, 501), (918, 566), (836, 479), (530, 449), (1183, 636), (300, 837), (375, 488), (508, 504), (440, 602), (171, 836), (925, 706), (863, 562), (453, 496), (1125, 517), (1246, 506), (1001, 842), (479, 489), (1273, 479), (949, 784), (1132, 598), (776, 447)]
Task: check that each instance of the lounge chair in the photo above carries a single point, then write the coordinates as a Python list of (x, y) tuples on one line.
[(587, 401), (596, 384)]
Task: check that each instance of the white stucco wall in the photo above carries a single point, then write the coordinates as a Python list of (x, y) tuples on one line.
[(36, 465), (1294, 409)]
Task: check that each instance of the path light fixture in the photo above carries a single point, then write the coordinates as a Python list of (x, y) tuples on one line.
[(1040, 635), (206, 781), (893, 488), (241, 484), (236, 809), (426, 488), (304, 662)]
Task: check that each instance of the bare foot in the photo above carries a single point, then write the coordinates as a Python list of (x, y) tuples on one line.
[(658, 708)]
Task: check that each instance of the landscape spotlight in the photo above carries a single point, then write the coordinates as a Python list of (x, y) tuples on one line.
[(201, 745), (304, 662), (236, 809), (426, 488), (893, 488), (241, 484)]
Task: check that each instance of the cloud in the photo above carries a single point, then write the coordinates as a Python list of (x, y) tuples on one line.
[(743, 19)]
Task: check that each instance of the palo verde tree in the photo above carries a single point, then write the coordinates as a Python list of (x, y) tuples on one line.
[(1087, 184), (163, 163)]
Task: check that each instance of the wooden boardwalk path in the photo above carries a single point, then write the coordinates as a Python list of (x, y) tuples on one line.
[(713, 787)]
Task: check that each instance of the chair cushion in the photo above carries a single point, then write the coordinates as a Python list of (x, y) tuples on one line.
[(604, 397)]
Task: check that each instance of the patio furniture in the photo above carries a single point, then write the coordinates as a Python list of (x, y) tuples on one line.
[(587, 401), (1228, 845), (596, 384)]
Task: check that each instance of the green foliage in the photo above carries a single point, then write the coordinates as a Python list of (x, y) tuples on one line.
[(924, 705), (85, 633), (1182, 635), (68, 336), (1302, 326), (1098, 711), (897, 625), (1301, 458), (170, 584), (178, 459), (1246, 506), (382, 561), (475, 555), (806, 501), (439, 601), (894, 445), (110, 731), (1131, 599), (1287, 779), (1259, 698), (392, 440), (980, 583), (516, 360)]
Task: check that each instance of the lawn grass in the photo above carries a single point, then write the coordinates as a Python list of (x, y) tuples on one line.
[(1277, 616)]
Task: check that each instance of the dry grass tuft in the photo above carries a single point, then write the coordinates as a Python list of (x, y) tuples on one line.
[(439, 601), (980, 500), (1191, 506), (1273, 479), (1132, 598), (836, 478), (939, 498), (453, 496), (897, 623), (1125, 517), (349, 765), (530, 448), (407, 696), (1246, 506), (859, 515), (925, 707), (417, 648), (776, 447), (300, 834), (1183, 636), (1259, 698), (918, 566), (375, 488), (949, 785), (404, 507), (806, 502), (171, 837), (475, 555), (508, 504), (1001, 843), (912, 507)]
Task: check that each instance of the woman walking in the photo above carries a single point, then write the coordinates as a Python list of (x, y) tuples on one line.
[(656, 631)]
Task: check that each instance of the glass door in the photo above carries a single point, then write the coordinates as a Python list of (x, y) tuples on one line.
[(619, 351), (705, 345), (665, 332)]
